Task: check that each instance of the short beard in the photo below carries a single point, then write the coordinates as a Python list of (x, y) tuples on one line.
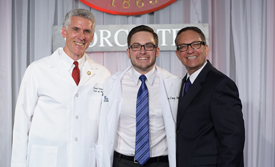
[(146, 68)]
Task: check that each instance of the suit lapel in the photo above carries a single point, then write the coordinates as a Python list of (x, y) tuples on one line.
[(181, 88), (192, 92), (187, 99)]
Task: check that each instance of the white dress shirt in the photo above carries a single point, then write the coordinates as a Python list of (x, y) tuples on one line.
[(195, 74), (69, 62), (125, 140)]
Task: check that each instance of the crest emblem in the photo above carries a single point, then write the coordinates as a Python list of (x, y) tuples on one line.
[(127, 7)]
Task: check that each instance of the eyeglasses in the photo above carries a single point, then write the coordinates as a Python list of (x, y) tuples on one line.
[(194, 45), (147, 47)]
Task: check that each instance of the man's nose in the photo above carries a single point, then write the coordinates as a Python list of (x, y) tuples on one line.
[(142, 49), (189, 48), (81, 35)]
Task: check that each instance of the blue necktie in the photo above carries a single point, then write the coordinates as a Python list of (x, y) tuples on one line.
[(186, 87), (142, 150)]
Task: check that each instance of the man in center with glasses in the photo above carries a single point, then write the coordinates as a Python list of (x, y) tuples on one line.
[(137, 122)]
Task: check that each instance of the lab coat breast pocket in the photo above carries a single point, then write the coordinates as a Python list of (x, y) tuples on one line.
[(93, 99)]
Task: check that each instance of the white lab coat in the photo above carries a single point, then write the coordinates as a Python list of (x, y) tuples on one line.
[(56, 121), (169, 89)]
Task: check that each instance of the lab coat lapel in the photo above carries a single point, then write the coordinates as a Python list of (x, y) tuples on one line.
[(114, 89), (167, 85), (87, 71), (114, 95), (164, 89), (57, 65)]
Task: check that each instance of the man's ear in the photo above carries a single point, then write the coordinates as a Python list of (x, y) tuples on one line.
[(128, 53), (157, 52), (64, 32), (178, 54), (206, 50)]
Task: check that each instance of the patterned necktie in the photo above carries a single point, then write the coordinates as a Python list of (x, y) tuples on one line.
[(76, 73), (142, 150), (186, 87)]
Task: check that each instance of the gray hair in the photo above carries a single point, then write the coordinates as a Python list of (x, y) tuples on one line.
[(79, 13)]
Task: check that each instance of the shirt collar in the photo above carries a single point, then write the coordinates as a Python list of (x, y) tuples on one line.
[(193, 77), (68, 62), (151, 75)]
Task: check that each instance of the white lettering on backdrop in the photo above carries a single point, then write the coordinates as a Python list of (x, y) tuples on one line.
[(114, 37)]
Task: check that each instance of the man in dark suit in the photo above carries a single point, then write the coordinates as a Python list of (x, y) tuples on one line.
[(210, 126)]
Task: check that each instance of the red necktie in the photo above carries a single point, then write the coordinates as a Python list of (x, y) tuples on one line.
[(76, 73)]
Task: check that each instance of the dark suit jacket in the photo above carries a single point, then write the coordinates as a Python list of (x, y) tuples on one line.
[(210, 126)]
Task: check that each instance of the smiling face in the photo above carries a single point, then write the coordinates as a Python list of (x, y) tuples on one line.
[(143, 61), (192, 59), (78, 37)]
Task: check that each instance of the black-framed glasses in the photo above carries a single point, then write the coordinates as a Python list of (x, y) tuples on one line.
[(194, 45), (147, 47)]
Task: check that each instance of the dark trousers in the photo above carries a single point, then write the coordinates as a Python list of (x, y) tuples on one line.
[(122, 162)]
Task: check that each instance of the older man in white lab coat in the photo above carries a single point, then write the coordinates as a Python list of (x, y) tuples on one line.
[(56, 115), (118, 143)]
